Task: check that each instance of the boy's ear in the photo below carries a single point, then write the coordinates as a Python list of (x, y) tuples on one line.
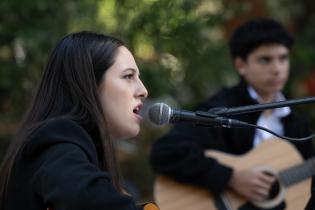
[(239, 64)]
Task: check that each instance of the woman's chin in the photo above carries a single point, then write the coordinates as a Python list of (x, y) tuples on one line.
[(131, 133), (134, 134)]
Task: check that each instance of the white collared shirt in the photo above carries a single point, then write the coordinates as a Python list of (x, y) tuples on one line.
[(272, 121)]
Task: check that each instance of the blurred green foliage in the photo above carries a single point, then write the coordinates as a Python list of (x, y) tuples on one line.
[(180, 47)]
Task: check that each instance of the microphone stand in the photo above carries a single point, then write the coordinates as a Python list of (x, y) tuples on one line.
[(225, 112), (221, 114)]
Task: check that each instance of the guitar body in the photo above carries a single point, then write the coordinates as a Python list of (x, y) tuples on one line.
[(276, 155)]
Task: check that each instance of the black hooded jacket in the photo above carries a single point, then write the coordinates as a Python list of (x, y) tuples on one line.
[(59, 168)]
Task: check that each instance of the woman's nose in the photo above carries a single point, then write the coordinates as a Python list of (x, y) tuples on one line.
[(143, 92)]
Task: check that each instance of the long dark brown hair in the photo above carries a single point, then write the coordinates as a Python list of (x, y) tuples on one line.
[(69, 89)]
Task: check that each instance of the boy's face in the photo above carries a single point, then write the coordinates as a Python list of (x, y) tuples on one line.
[(266, 69)]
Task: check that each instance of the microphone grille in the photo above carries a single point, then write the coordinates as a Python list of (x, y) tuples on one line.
[(160, 113)]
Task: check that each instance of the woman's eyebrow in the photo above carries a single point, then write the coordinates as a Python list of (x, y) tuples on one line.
[(132, 69)]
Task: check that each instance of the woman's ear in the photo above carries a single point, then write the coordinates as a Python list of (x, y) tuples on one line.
[(240, 65)]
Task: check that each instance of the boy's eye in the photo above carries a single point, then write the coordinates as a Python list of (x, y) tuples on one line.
[(264, 60), (284, 58)]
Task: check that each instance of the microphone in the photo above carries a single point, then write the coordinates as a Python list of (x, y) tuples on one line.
[(161, 114)]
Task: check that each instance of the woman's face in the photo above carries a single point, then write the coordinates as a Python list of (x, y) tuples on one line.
[(121, 94)]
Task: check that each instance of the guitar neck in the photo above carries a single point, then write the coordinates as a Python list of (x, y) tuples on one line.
[(297, 173)]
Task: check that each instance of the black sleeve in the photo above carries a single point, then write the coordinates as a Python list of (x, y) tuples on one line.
[(180, 155), (66, 177), (306, 148)]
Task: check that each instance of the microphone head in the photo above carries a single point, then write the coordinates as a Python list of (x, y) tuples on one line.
[(160, 113)]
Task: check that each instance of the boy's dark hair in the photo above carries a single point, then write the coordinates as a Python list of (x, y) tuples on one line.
[(255, 33)]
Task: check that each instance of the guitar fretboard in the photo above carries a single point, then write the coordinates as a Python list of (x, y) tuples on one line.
[(297, 173)]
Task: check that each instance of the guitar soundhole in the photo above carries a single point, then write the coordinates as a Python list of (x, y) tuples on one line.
[(274, 191), (275, 188)]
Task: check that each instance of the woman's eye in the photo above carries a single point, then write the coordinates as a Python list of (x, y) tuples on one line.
[(128, 76)]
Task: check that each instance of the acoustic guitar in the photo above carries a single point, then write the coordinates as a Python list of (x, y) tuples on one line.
[(276, 157)]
